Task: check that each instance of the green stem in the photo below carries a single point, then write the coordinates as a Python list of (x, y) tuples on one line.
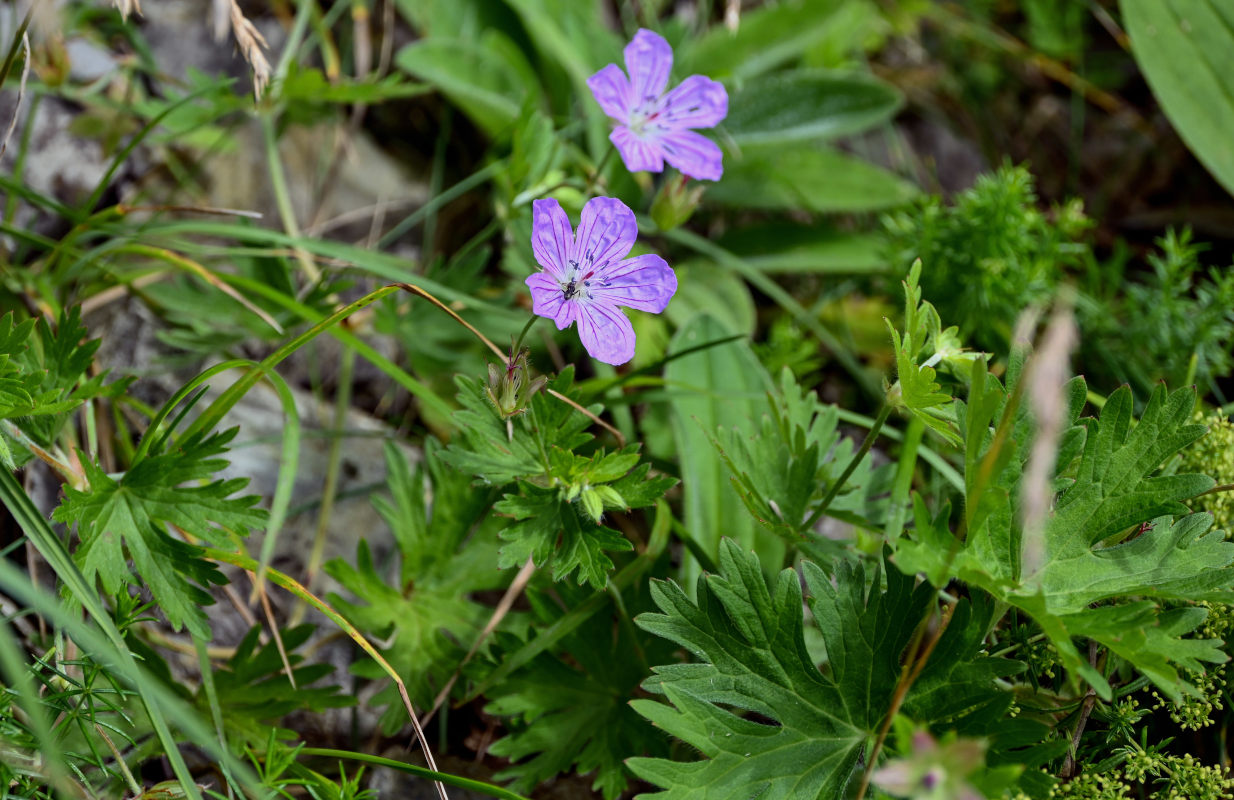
[(866, 444), (903, 481), (282, 198), (518, 345)]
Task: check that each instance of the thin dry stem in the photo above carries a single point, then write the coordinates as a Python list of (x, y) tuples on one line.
[(274, 630), (503, 607)]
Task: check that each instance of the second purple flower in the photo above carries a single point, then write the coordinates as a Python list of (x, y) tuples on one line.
[(655, 126), (587, 277)]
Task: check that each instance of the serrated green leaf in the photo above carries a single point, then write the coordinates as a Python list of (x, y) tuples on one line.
[(753, 658), (447, 553), (254, 692), (499, 455), (128, 518), (570, 706), (785, 467), (552, 530)]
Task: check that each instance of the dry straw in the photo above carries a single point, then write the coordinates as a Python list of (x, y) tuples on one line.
[(228, 16)]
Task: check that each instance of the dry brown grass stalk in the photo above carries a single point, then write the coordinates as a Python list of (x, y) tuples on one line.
[(252, 46), (127, 7)]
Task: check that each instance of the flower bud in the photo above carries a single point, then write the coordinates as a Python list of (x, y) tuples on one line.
[(511, 387), (674, 203)]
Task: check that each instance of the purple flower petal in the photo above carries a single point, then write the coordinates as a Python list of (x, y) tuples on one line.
[(552, 238), (606, 333), (693, 154), (643, 282), (612, 91), (547, 300), (606, 232), (697, 102), (638, 154), (649, 59)]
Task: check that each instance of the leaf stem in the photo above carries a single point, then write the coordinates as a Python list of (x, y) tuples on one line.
[(866, 444), (913, 667), (518, 344)]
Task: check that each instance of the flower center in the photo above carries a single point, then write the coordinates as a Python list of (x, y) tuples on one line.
[(648, 116), (578, 284)]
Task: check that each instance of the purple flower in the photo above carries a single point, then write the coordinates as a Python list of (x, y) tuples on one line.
[(587, 276), (655, 126)]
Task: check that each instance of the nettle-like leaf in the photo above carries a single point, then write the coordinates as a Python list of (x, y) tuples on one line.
[(785, 468), (424, 611), (560, 524), (752, 657), (127, 519), (568, 709), (43, 377), (1117, 530), (254, 692), (916, 390), (499, 454)]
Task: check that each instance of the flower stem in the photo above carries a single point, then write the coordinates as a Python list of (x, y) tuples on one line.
[(594, 178), (866, 444), (518, 345)]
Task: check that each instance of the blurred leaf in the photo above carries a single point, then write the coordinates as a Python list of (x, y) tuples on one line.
[(784, 247), (766, 38), (571, 33), (309, 85), (808, 104), (718, 387), (810, 177), (704, 288), (1184, 47), (488, 77)]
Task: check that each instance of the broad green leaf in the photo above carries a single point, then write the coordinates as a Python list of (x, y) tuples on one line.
[(808, 177), (488, 78), (702, 287), (446, 553), (718, 387), (808, 105), (749, 642), (1184, 47)]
